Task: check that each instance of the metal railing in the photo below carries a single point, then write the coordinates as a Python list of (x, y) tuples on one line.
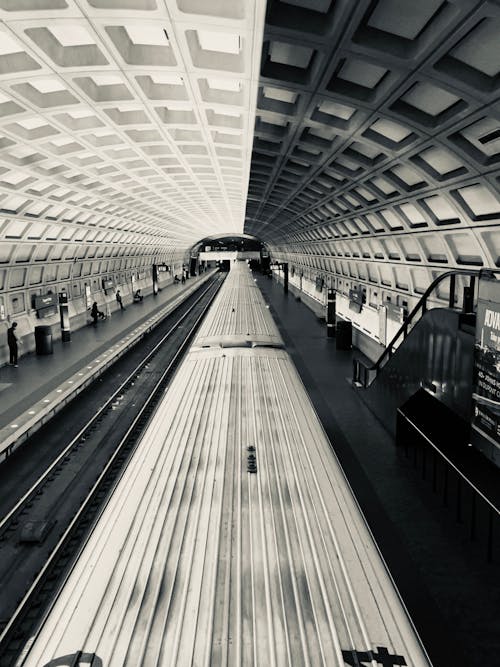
[(363, 374)]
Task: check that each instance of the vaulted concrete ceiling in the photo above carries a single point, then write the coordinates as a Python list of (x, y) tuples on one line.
[(131, 116), (377, 137), (130, 124)]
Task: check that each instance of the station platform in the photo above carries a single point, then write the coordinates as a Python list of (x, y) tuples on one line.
[(42, 384), (451, 592)]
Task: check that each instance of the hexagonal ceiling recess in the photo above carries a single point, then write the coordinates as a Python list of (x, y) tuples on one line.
[(377, 138), (129, 119)]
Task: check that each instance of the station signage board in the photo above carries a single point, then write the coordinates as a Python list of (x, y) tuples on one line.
[(355, 300), (108, 284), (45, 301), (46, 305), (486, 377), (395, 313)]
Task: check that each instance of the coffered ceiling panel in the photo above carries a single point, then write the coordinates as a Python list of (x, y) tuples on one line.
[(134, 115), (358, 138), (377, 136)]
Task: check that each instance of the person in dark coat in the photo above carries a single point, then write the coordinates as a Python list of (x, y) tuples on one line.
[(95, 313), (12, 341), (119, 300)]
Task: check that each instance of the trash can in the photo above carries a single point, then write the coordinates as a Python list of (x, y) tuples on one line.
[(343, 335), (43, 340)]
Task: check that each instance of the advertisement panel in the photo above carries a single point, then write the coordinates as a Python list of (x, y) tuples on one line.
[(46, 305), (396, 313), (45, 301), (486, 380), (88, 296), (355, 300), (108, 284)]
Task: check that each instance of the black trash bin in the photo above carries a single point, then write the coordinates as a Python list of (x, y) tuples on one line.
[(43, 340), (343, 335)]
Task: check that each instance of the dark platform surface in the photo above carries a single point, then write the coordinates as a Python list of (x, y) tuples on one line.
[(452, 593)]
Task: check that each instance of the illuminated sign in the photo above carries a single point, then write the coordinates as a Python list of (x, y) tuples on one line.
[(355, 300), (45, 301), (395, 313), (486, 378)]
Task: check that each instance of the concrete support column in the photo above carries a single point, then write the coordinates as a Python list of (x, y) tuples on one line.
[(285, 277), (64, 317), (330, 313), (155, 279)]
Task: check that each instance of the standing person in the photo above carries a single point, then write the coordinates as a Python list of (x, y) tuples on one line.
[(12, 341), (119, 300), (94, 312)]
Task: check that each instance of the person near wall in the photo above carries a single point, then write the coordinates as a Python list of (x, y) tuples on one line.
[(13, 341), (138, 296), (95, 313), (119, 300)]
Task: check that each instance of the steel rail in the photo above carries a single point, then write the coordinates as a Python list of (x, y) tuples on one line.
[(153, 399), (43, 477)]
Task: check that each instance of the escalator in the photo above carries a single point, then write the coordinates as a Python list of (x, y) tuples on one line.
[(433, 350), (422, 390), (437, 355)]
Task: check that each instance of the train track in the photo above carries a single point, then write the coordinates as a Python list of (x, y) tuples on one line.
[(93, 463)]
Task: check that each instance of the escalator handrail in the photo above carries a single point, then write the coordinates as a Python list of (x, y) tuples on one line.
[(421, 305)]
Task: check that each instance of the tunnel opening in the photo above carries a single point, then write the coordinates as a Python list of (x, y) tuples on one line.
[(221, 250)]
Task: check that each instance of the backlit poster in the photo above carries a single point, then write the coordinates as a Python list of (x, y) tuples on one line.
[(486, 380)]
